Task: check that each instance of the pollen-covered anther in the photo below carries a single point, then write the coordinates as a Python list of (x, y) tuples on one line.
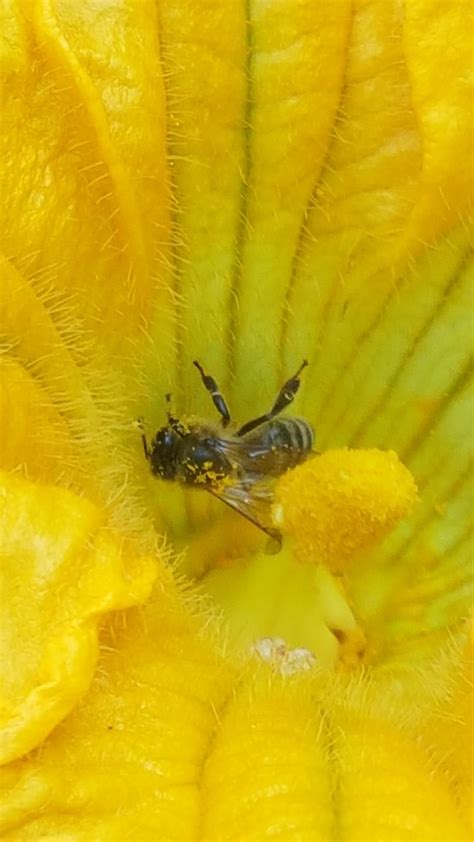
[(343, 502)]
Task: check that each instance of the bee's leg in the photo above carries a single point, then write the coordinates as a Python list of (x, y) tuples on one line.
[(285, 397), (217, 398), (145, 446), (287, 392)]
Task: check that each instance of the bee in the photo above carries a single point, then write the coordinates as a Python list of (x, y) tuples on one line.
[(241, 468)]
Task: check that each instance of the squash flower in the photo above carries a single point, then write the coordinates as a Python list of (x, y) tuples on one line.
[(248, 185)]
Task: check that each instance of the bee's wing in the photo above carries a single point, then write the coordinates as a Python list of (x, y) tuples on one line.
[(256, 458), (251, 497)]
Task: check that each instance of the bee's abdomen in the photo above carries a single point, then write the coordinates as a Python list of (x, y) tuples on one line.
[(291, 434), (278, 445)]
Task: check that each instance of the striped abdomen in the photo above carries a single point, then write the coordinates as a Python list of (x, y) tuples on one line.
[(280, 444)]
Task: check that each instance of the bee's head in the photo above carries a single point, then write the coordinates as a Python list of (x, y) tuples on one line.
[(163, 456)]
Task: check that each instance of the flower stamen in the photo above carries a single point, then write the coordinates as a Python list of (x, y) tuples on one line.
[(342, 503)]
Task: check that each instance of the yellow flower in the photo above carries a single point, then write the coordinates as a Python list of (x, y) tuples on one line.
[(247, 185)]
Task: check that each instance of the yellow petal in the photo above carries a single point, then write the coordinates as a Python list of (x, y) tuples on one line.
[(64, 418), (200, 749), (33, 432), (127, 762), (287, 792), (243, 180), (388, 787), (93, 195), (441, 99), (45, 396), (448, 728), (61, 570)]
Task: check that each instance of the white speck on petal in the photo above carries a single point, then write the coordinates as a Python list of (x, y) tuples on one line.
[(275, 651)]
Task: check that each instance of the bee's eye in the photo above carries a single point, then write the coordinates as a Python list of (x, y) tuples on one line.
[(164, 439)]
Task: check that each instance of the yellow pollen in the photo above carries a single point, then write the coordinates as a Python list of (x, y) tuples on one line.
[(341, 503)]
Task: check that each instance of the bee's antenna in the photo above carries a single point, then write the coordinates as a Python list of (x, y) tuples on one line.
[(140, 425), (173, 422)]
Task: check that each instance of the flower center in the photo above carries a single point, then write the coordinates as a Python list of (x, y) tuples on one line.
[(331, 510)]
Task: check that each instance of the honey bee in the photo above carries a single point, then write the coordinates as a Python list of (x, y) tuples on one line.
[(240, 469)]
